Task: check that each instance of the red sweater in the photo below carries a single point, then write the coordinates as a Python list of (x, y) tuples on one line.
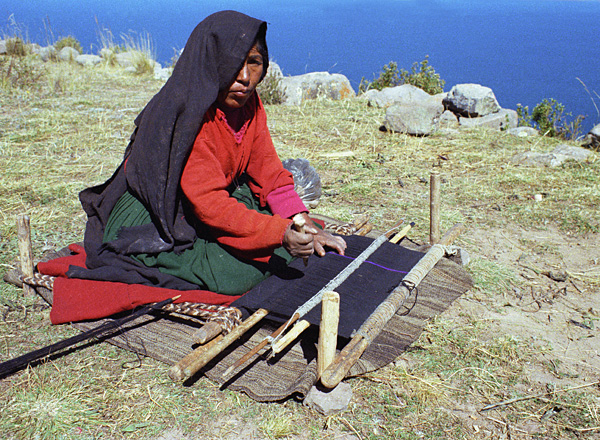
[(219, 156)]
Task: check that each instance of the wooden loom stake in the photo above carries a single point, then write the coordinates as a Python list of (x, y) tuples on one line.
[(198, 358), (328, 330), (434, 208), (25, 251)]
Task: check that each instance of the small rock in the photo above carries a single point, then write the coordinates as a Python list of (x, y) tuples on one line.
[(538, 197), (68, 54), (524, 131), (330, 401), (88, 60)]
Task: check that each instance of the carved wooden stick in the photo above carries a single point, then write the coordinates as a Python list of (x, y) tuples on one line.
[(25, 251), (434, 208), (290, 336), (341, 365), (328, 330), (299, 225), (261, 345), (197, 359), (402, 233)]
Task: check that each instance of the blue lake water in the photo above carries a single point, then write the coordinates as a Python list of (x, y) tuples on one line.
[(524, 50)]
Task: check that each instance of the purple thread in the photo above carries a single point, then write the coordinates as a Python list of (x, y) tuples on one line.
[(370, 262)]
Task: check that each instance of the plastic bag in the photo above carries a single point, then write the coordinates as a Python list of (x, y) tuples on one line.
[(307, 181)]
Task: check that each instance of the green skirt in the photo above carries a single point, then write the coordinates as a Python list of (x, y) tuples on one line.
[(206, 264)]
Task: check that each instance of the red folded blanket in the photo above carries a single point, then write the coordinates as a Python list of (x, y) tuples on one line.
[(79, 300)]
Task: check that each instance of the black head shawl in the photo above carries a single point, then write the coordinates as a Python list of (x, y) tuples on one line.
[(164, 134)]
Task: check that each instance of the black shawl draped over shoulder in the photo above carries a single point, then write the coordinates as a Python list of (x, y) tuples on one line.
[(158, 150)]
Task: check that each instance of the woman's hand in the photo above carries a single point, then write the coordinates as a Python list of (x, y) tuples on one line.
[(313, 239)]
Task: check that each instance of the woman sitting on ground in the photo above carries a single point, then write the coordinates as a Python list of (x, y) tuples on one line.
[(201, 200)]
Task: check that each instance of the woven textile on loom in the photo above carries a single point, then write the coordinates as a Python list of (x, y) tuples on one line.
[(360, 294)]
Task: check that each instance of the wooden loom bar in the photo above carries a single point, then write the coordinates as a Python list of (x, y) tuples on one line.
[(341, 365), (434, 208), (25, 251)]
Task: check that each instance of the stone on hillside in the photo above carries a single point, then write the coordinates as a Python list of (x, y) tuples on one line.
[(524, 131), (315, 85), (404, 94), (274, 70), (88, 60), (329, 402), (2, 47), (447, 120), (592, 140), (415, 118), (68, 54), (125, 59), (555, 158), (471, 100), (161, 73), (500, 120), (47, 53)]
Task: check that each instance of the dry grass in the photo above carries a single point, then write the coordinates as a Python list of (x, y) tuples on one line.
[(70, 133)]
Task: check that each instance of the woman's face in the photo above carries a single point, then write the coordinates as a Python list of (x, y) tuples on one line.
[(245, 82)]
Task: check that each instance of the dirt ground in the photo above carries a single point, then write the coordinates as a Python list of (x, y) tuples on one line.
[(558, 305)]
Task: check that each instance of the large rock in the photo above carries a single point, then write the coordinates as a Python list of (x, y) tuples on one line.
[(2, 47), (47, 53), (501, 120), (471, 100), (68, 54), (88, 60), (555, 158), (315, 85), (404, 94), (414, 117)]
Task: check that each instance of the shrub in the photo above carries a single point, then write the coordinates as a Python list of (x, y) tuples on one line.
[(423, 76), (388, 77), (16, 47), (270, 89), (69, 41), (20, 72), (550, 118), (142, 48)]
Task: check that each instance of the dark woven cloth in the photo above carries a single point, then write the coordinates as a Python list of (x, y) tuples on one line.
[(360, 294), (159, 147)]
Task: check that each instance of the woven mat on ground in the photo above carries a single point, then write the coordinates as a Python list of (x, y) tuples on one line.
[(292, 372)]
